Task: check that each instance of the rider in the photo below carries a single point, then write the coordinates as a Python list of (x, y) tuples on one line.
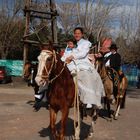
[(113, 60), (89, 82), (68, 51)]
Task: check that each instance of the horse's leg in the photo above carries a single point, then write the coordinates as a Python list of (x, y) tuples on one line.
[(119, 100), (65, 112), (53, 115), (123, 100), (105, 102), (108, 108), (124, 87), (118, 109), (93, 122)]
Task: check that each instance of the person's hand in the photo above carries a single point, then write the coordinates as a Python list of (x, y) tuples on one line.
[(98, 55), (69, 59)]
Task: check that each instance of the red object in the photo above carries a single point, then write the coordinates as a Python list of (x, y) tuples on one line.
[(2, 73), (106, 43), (62, 52), (4, 78)]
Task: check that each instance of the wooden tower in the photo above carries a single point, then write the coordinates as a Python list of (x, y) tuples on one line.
[(49, 14)]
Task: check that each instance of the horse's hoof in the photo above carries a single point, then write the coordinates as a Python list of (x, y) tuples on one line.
[(115, 118), (109, 120), (90, 135)]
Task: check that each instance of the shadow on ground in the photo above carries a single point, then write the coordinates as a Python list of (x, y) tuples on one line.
[(46, 132)]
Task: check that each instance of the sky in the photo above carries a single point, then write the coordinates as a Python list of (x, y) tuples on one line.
[(128, 5), (121, 2)]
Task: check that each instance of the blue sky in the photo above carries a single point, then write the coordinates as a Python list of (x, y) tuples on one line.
[(122, 2), (130, 5)]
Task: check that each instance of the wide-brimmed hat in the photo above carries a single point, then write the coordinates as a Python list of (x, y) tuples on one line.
[(113, 47)]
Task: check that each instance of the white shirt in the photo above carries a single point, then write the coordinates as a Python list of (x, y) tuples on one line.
[(80, 55), (66, 54), (82, 49), (107, 64)]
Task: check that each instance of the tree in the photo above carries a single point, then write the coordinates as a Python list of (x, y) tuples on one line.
[(11, 26), (67, 16), (95, 16), (128, 38)]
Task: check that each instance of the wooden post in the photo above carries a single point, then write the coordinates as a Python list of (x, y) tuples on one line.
[(27, 23), (53, 22)]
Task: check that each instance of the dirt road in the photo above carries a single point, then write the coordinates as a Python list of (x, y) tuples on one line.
[(19, 122)]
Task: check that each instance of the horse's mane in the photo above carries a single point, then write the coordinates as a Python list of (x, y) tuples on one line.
[(101, 67)]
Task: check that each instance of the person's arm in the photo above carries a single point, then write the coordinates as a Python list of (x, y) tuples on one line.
[(83, 50)]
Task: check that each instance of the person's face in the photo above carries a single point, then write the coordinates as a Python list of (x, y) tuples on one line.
[(78, 35), (113, 50), (70, 44)]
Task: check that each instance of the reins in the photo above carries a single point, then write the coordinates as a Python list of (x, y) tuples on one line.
[(76, 107), (50, 81), (54, 62)]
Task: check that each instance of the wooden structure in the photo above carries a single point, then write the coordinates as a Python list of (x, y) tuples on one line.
[(49, 14)]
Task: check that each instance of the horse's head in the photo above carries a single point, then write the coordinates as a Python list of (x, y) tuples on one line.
[(30, 71), (47, 60)]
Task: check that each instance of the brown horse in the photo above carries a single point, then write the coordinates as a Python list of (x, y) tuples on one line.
[(62, 88), (62, 91), (119, 91)]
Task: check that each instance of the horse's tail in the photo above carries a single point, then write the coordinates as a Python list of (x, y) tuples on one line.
[(123, 88)]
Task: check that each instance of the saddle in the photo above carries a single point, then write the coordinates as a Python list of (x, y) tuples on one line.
[(113, 75)]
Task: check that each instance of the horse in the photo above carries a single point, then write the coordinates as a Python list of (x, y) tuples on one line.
[(118, 91), (62, 93), (29, 74)]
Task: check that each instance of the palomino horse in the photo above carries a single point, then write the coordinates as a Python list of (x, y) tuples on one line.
[(53, 71), (119, 91)]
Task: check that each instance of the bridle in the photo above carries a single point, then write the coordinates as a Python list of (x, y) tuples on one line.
[(54, 62)]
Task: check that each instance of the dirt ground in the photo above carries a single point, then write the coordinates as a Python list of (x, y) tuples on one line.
[(19, 122)]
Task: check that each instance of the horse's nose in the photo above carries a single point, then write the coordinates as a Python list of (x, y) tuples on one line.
[(39, 80)]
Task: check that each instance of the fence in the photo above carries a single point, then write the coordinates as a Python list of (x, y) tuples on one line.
[(132, 73), (13, 67)]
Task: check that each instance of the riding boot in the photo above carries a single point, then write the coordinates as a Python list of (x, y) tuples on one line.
[(37, 104), (84, 110)]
